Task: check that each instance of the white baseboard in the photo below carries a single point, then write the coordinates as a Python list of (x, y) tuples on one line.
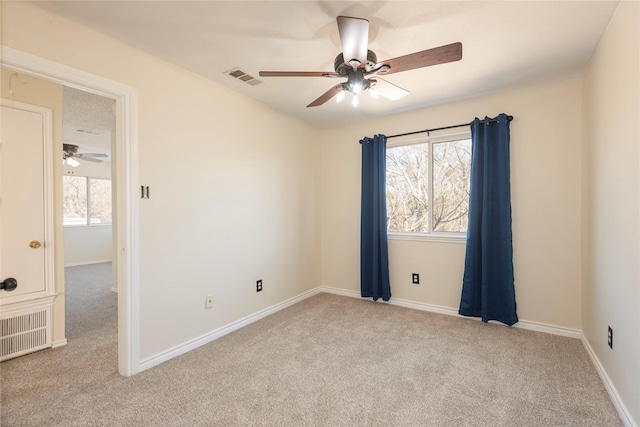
[(624, 414), (338, 291), (523, 324), (549, 329), (150, 362), (220, 332), (59, 343), (75, 264)]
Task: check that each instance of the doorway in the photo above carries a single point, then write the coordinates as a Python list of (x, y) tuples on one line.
[(88, 124), (126, 214)]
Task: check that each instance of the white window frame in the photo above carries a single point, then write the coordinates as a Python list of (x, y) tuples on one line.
[(431, 236), (88, 222)]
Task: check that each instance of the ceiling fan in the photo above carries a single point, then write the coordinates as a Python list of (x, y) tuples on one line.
[(356, 63), (70, 155)]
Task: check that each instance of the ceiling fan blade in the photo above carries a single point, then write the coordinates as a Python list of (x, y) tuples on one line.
[(298, 74), (90, 159), (327, 95), (389, 90), (93, 155), (354, 36), (438, 55)]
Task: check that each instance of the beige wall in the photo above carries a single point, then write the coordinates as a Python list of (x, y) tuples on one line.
[(240, 192), (87, 245), (31, 90), (545, 187), (232, 185), (611, 244)]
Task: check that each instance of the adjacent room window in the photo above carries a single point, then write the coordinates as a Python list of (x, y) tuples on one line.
[(428, 187), (86, 201)]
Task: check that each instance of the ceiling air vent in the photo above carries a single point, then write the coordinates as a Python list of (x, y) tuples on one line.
[(89, 131), (237, 73)]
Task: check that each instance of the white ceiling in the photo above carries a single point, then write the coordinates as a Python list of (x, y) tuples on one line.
[(88, 121), (505, 44)]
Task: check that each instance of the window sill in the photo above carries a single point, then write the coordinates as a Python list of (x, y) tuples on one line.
[(84, 226), (435, 237)]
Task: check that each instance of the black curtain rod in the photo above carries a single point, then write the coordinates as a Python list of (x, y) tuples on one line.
[(509, 118)]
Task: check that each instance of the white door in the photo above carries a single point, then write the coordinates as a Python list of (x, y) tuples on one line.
[(23, 207)]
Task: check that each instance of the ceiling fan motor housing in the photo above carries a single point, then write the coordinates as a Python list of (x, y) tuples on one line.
[(343, 69), (69, 150)]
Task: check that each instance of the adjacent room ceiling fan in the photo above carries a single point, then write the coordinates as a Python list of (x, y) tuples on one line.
[(70, 155), (357, 63)]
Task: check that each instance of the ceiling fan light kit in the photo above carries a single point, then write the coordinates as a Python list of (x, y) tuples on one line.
[(71, 162), (356, 63)]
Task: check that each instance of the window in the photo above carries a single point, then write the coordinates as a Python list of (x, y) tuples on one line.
[(428, 187), (86, 201)]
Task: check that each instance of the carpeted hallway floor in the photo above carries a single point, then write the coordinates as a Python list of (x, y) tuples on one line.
[(326, 361)]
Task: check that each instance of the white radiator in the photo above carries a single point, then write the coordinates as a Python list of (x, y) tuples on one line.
[(25, 332)]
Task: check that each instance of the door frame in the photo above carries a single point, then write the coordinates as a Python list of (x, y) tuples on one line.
[(126, 158)]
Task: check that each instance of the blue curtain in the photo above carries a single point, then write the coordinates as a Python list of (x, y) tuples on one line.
[(487, 285), (374, 252)]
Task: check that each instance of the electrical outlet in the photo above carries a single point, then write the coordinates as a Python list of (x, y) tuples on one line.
[(259, 286), (208, 302), (415, 277), (610, 337)]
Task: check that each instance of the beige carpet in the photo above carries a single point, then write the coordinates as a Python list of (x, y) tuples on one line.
[(327, 361)]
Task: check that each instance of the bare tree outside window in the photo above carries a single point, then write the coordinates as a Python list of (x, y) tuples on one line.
[(100, 199), (86, 200), (74, 200), (408, 188), (451, 172), (412, 197)]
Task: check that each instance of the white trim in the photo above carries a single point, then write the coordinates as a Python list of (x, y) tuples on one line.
[(445, 137), (47, 189), (548, 329), (234, 326), (522, 324), (60, 343), (220, 332), (395, 301), (623, 412), (86, 226), (429, 237), (76, 264), (534, 326), (432, 308), (126, 157), (338, 291), (28, 305)]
